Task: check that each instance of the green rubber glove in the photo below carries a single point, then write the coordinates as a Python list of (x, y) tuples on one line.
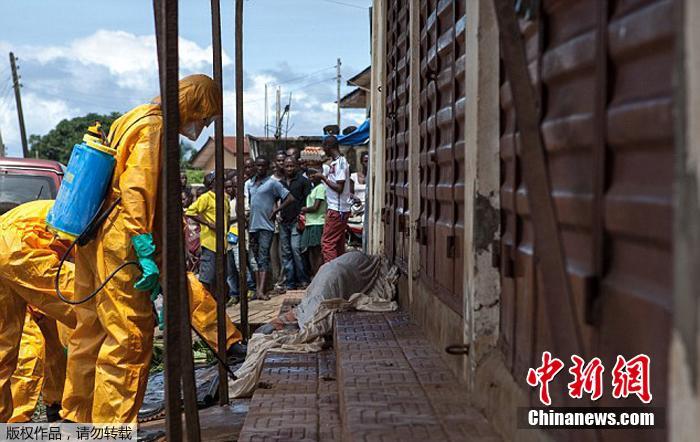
[(145, 250), (155, 292)]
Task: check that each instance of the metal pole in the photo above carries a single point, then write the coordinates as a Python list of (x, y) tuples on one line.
[(179, 366), (289, 111), (278, 111), (221, 217), (240, 192), (18, 101), (2, 146), (266, 110), (337, 102), (171, 333)]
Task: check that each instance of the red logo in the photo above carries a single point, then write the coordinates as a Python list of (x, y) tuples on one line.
[(544, 375), (632, 377), (628, 377), (588, 379)]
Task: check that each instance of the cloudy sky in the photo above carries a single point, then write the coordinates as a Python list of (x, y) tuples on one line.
[(81, 56)]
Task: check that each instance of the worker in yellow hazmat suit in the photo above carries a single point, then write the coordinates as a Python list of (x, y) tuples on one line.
[(29, 256), (203, 314), (110, 350), (42, 358), (41, 368)]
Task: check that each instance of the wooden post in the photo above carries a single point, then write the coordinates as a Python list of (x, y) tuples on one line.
[(558, 296)]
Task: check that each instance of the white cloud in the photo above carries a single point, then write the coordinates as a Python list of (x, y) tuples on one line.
[(116, 70), (40, 114), (130, 58)]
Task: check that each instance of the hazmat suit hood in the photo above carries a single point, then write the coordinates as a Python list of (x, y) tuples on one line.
[(200, 101)]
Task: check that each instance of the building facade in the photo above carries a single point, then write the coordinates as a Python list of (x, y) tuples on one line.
[(204, 158), (615, 87)]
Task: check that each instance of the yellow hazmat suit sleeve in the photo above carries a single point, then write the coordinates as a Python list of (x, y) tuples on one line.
[(203, 314), (28, 378), (139, 182)]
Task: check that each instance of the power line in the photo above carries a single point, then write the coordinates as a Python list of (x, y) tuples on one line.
[(346, 4), (87, 102), (45, 88), (293, 80), (8, 85), (257, 100), (6, 99), (314, 83)]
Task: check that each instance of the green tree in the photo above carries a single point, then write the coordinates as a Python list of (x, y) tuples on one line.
[(195, 176), (58, 143)]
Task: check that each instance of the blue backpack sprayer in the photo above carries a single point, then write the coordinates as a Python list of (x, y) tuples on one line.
[(76, 214)]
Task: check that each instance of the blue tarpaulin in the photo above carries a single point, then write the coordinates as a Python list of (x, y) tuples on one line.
[(358, 136)]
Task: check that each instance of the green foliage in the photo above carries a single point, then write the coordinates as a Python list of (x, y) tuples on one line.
[(194, 176), (158, 357), (202, 353), (58, 143)]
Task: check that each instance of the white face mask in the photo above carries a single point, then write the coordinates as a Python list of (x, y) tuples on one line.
[(192, 130)]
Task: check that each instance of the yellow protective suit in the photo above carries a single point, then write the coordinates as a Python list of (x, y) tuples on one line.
[(28, 378), (203, 314), (42, 358), (110, 350), (29, 256), (41, 367)]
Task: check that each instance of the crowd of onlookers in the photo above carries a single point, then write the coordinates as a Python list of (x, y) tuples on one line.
[(296, 207)]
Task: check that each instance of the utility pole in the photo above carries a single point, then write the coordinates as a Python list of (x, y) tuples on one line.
[(2, 146), (278, 110), (266, 110), (288, 110), (18, 100), (337, 69)]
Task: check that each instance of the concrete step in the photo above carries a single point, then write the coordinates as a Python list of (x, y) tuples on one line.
[(296, 399), (394, 386)]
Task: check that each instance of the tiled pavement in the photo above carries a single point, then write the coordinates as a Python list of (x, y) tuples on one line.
[(391, 386), (296, 399)]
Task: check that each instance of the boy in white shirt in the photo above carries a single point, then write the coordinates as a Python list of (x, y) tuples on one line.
[(337, 182)]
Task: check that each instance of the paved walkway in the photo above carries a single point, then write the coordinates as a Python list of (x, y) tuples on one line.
[(296, 399), (389, 384), (262, 312)]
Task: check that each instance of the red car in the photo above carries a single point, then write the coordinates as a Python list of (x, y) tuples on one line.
[(25, 179)]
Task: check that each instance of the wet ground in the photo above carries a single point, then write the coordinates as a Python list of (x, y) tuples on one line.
[(217, 424)]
